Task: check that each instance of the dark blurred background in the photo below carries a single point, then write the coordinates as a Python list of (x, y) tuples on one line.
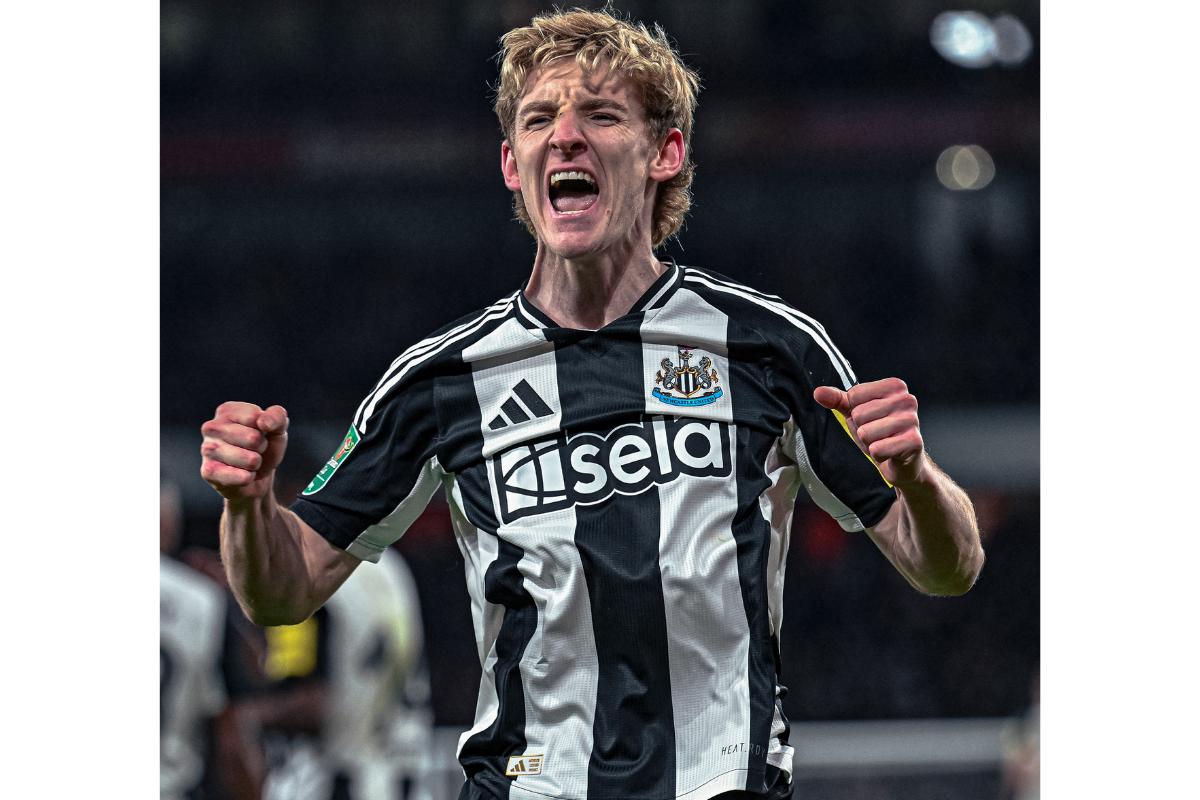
[(331, 193)]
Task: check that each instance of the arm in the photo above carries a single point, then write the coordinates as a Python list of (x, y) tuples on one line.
[(930, 534), (280, 569)]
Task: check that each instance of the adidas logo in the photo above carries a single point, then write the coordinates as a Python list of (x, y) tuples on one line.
[(521, 405), (524, 765)]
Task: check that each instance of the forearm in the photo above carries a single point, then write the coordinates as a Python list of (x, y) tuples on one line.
[(936, 541), (263, 552)]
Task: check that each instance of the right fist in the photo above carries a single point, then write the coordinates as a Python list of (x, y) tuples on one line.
[(243, 444)]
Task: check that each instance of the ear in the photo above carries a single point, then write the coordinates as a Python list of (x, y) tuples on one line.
[(508, 166), (670, 157)]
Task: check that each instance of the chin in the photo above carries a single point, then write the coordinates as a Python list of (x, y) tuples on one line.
[(572, 245)]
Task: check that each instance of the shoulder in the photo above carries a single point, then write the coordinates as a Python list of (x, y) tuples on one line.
[(727, 293), (768, 318), (749, 306), (443, 348), (489, 316), (410, 377), (448, 341)]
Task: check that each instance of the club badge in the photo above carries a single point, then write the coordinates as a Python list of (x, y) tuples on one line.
[(684, 384)]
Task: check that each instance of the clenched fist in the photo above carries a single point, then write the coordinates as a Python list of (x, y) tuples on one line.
[(243, 444), (882, 418)]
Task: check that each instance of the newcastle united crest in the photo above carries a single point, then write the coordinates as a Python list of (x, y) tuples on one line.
[(684, 384)]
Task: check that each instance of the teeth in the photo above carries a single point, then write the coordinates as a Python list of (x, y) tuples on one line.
[(570, 175)]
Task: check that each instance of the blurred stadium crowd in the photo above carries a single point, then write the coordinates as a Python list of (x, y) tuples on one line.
[(330, 194)]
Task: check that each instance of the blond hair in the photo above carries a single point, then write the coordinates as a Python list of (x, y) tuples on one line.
[(598, 39)]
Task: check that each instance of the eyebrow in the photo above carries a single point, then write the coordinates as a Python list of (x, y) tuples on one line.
[(537, 105), (590, 104), (593, 103)]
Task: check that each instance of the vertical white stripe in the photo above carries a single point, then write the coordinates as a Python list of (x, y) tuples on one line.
[(479, 550), (707, 636), (559, 668), (687, 320), (499, 361)]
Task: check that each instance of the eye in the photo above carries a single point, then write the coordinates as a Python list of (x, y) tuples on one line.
[(536, 121), (603, 117)]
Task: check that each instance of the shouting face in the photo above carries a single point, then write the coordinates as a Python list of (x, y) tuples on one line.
[(582, 158)]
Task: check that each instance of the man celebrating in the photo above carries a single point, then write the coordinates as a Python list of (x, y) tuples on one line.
[(621, 443)]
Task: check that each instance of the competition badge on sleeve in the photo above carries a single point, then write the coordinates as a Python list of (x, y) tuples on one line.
[(333, 463), (684, 384)]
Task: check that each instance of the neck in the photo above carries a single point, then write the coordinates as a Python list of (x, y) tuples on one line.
[(591, 292)]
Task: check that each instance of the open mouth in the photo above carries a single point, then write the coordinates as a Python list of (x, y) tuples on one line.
[(572, 191)]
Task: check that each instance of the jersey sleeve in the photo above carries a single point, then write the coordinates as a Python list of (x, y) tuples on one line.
[(839, 477), (384, 470)]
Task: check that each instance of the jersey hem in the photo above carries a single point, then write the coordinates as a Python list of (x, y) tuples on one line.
[(733, 780), (319, 522), (870, 521), (365, 551)]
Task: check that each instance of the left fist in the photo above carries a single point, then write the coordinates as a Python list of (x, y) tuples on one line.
[(882, 418)]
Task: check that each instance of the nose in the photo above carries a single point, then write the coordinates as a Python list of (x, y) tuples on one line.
[(566, 138)]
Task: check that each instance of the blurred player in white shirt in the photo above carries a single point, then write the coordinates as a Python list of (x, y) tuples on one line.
[(352, 706), (195, 673)]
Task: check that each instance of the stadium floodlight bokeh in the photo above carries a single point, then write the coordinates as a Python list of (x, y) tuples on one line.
[(969, 39), (1013, 42), (965, 167)]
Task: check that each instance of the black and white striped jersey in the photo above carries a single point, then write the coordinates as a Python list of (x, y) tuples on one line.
[(365, 647), (622, 499), (193, 625)]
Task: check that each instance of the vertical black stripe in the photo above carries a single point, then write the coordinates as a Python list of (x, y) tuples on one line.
[(600, 376), (476, 493), (633, 754), (753, 413), (485, 755), (530, 398)]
